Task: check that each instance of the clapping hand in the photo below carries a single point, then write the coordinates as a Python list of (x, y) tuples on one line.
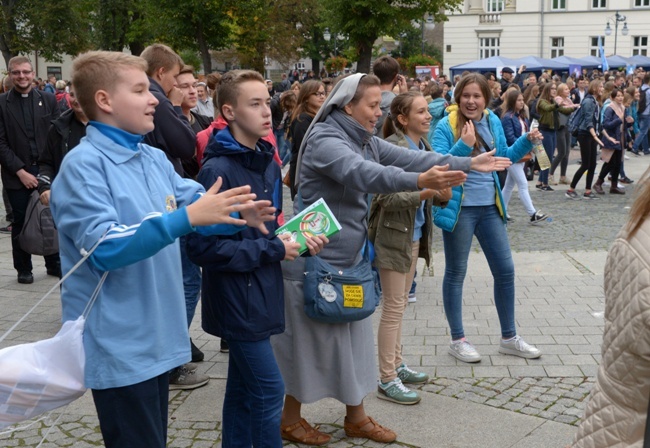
[(215, 207), (467, 134)]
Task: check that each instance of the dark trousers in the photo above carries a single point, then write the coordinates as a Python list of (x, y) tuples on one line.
[(23, 260), (588, 154), (134, 416), (612, 167)]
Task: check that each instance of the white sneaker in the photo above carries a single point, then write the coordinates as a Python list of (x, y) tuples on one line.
[(464, 351), (518, 347), (412, 298)]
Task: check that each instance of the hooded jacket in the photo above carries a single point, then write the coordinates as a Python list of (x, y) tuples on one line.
[(437, 111), (446, 141), (242, 292)]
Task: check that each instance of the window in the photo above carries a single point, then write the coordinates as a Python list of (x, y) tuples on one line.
[(56, 71), (640, 45), (593, 45), (494, 5), (598, 4), (641, 3), (557, 5), (557, 46), (488, 47)]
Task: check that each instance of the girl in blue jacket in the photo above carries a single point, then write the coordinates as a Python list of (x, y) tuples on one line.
[(477, 208)]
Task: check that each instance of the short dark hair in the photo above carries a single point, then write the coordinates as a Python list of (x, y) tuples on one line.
[(385, 68)]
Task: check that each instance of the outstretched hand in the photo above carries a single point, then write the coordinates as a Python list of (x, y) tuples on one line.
[(487, 162), (439, 177), (215, 207), (258, 214)]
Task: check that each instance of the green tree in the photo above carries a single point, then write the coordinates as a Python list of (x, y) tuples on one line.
[(51, 28), (268, 29), (365, 20)]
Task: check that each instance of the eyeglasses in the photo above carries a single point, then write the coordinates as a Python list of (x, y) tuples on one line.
[(21, 72), (321, 94)]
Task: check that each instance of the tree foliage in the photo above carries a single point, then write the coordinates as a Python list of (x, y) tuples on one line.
[(51, 28), (365, 20)]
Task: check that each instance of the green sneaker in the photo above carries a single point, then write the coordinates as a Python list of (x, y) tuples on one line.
[(396, 392), (409, 376)]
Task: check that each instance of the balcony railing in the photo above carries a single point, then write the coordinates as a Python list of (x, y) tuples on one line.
[(490, 18)]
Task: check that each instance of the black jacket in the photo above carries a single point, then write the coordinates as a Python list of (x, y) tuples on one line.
[(173, 133), (15, 152), (242, 294), (59, 143)]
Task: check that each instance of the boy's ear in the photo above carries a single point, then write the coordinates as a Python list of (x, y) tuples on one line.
[(158, 73), (103, 101), (228, 112)]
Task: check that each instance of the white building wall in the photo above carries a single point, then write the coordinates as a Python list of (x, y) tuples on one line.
[(524, 30)]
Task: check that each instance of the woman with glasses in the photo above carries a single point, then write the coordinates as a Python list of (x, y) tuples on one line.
[(310, 98)]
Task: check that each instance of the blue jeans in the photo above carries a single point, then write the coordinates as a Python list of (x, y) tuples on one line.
[(191, 282), (549, 142), (487, 224), (252, 407), (284, 152), (641, 140)]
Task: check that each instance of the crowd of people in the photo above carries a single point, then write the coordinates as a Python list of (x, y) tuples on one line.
[(391, 156)]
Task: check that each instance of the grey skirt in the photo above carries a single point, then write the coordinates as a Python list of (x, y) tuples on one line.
[(320, 360)]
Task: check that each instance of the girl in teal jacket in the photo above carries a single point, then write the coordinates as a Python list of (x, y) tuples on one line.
[(477, 208)]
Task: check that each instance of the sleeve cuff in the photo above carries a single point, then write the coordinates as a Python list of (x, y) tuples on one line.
[(178, 223)]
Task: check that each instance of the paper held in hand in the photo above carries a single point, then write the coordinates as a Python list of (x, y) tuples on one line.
[(317, 219)]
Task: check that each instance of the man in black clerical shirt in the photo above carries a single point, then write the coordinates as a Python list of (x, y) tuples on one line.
[(25, 116)]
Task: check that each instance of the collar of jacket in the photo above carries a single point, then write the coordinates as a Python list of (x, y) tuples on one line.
[(399, 139), (224, 144), (357, 133)]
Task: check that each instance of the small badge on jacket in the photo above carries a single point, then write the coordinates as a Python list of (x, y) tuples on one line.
[(170, 203)]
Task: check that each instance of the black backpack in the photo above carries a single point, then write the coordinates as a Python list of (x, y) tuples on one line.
[(643, 100)]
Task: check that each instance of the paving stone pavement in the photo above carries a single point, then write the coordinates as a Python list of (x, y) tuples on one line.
[(559, 306)]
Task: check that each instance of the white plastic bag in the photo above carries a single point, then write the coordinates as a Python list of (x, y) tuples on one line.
[(41, 376)]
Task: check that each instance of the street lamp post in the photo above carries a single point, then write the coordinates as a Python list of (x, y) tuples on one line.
[(327, 35), (624, 31)]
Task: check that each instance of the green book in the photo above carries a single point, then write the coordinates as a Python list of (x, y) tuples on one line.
[(317, 219)]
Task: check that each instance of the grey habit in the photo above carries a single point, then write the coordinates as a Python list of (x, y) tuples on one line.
[(341, 161)]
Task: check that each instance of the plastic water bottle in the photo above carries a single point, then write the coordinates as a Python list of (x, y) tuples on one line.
[(539, 151)]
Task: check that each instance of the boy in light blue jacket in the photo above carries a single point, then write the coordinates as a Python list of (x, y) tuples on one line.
[(126, 194)]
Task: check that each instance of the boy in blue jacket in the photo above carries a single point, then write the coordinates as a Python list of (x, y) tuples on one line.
[(242, 289), (126, 194)]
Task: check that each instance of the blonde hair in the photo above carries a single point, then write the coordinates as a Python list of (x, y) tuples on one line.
[(228, 91), (100, 70), (160, 56)]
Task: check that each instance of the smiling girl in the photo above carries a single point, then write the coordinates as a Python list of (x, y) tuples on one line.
[(400, 224), (472, 129)]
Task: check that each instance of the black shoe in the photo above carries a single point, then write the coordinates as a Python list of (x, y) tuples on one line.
[(197, 354), (25, 277), (6, 229), (224, 348), (54, 272), (546, 188), (626, 180), (636, 152)]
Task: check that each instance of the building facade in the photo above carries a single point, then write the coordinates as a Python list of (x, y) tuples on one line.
[(545, 28)]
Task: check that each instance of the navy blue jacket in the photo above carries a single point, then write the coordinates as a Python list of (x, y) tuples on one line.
[(242, 294), (173, 133), (512, 127), (612, 125)]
